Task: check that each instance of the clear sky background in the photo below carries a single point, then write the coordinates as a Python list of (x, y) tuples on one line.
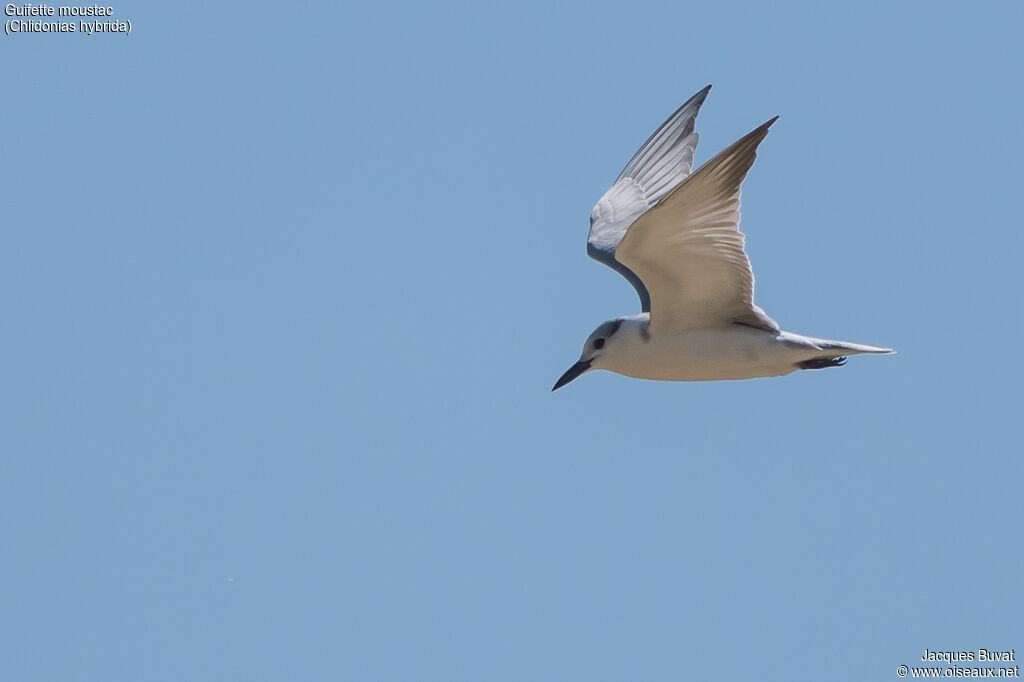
[(285, 288)]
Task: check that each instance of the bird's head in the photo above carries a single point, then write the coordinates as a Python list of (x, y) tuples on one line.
[(596, 347)]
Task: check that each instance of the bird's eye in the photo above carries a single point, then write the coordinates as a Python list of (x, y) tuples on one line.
[(599, 343)]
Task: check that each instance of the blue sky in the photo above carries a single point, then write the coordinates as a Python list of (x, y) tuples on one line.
[(284, 291)]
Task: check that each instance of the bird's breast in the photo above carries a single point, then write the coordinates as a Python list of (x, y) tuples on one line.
[(731, 352)]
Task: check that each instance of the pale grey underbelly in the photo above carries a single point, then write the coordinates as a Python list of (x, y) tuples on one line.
[(715, 355)]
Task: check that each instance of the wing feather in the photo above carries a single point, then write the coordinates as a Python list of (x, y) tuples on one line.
[(689, 252), (658, 167)]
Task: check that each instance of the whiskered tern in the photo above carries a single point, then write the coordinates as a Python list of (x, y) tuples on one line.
[(675, 236)]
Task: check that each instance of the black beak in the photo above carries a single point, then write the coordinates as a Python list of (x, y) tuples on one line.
[(573, 372)]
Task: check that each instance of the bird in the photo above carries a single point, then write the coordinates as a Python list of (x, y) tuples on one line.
[(675, 237)]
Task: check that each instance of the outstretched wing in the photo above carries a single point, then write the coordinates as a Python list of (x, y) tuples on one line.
[(688, 249), (656, 169)]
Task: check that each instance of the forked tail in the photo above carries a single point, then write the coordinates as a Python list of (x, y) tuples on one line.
[(836, 348), (833, 353)]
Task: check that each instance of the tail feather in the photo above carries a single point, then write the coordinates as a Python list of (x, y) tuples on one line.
[(822, 353), (845, 348)]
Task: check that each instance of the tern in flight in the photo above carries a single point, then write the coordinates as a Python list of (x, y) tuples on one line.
[(676, 238)]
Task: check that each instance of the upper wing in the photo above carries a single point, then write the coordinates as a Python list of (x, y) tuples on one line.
[(655, 170), (688, 250)]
